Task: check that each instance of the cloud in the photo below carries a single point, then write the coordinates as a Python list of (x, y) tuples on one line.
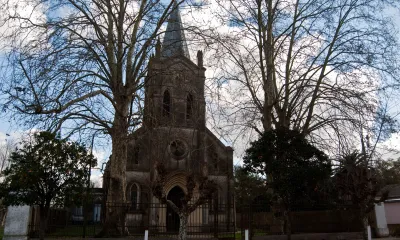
[(390, 149), (16, 21), (97, 179)]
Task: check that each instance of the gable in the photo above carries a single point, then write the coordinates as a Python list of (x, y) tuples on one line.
[(180, 63)]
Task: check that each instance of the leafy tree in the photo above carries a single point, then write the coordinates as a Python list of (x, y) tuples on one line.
[(293, 167), (44, 171), (388, 172), (249, 187)]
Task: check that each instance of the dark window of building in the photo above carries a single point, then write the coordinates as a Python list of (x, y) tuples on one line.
[(215, 201), (166, 103), (133, 156), (189, 106), (214, 159), (134, 196)]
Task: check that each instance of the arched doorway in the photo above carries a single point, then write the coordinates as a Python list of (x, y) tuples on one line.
[(175, 195)]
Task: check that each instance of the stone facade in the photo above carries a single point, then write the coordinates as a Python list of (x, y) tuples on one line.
[(174, 128)]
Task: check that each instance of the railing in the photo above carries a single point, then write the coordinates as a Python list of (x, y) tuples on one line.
[(207, 221), (3, 212), (159, 219), (261, 220)]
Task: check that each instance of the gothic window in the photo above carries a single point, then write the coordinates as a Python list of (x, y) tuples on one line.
[(214, 159), (135, 196), (189, 106), (166, 103), (133, 156), (216, 201)]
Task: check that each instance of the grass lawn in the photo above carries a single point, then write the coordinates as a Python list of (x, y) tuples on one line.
[(1, 232), (237, 236)]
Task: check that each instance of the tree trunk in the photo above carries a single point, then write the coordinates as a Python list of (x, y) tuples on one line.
[(364, 221), (182, 226), (116, 188), (288, 224), (43, 211)]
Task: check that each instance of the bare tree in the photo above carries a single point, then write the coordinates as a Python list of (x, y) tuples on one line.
[(314, 66), (198, 191), (81, 69), (5, 151), (357, 173), (356, 181)]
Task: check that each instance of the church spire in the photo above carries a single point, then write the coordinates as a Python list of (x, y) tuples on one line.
[(174, 39)]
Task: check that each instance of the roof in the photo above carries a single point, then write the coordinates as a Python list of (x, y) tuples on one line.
[(174, 39), (393, 191)]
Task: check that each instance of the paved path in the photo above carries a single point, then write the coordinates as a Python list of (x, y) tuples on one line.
[(390, 238)]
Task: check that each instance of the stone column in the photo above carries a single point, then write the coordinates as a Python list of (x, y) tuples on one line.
[(381, 223), (17, 223)]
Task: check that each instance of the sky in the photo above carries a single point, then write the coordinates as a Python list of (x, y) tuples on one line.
[(13, 130)]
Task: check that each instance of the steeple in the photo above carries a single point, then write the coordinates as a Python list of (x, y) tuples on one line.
[(174, 39)]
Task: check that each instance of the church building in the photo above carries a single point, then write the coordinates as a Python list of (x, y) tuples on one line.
[(174, 131)]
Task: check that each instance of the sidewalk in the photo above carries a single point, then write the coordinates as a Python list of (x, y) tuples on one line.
[(320, 236), (388, 238)]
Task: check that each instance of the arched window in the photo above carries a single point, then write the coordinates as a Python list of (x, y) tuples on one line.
[(214, 159), (189, 106), (133, 156), (166, 103), (217, 201), (135, 196)]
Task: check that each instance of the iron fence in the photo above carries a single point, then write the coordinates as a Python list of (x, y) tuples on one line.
[(3, 212), (207, 221), (263, 220)]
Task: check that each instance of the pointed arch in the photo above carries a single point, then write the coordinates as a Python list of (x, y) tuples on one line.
[(134, 196), (166, 103), (217, 200), (214, 158)]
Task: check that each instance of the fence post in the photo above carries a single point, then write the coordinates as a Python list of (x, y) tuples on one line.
[(234, 220), (246, 234), (250, 222), (242, 211), (215, 219), (369, 232), (84, 220), (146, 234)]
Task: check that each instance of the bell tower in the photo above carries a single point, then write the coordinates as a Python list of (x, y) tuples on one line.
[(174, 131), (174, 86)]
